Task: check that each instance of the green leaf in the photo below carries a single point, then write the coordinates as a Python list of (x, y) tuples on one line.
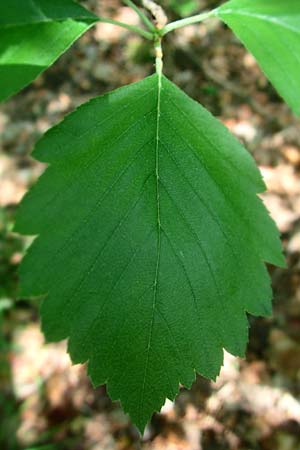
[(151, 244), (270, 29), (33, 34)]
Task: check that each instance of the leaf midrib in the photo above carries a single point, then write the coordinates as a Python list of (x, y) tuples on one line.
[(155, 283)]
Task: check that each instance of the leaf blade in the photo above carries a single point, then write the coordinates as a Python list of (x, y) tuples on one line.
[(31, 42), (147, 305), (271, 32)]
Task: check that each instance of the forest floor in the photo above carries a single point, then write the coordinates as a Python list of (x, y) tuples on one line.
[(255, 403)]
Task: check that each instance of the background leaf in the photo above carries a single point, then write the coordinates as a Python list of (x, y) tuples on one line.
[(33, 35), (270, 29), (151, 242)]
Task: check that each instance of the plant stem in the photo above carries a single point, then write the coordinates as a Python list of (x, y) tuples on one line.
[(140, 31), (188, 21), (158, 56), (141, 15), (157, 12)]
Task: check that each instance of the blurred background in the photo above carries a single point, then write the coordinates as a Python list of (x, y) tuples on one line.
[(45, 403)]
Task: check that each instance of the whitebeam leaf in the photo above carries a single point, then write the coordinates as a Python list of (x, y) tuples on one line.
[(270, 29), (152, 242), (33, 34)]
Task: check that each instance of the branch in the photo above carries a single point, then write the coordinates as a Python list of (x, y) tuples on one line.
[(157, 12)]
